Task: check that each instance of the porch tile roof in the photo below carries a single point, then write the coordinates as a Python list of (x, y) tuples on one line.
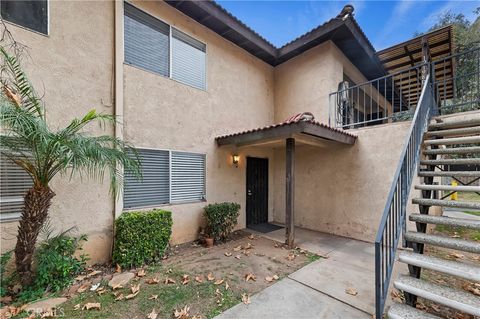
[(294, 125)]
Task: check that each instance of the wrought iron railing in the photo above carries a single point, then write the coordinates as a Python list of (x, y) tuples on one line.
[(457, 82), (393, 222), (387, 99)]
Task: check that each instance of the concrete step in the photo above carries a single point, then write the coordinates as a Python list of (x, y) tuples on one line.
[(453, 124), (449, 173), (454, 140), (403, 311), (452, 161), (448, 188), (443, 220), (455, 131), (453, 150), (441, 241), (453, 298), (454, 268), (446, 203)]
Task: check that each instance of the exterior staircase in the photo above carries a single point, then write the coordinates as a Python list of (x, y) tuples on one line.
[(445, 143)]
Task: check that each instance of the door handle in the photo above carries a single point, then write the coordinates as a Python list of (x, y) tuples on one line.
[(249, 192)]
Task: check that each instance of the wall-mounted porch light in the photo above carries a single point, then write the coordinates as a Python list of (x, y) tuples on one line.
[(235, 159)]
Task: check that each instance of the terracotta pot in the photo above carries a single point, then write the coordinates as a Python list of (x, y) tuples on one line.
[(209, 242)]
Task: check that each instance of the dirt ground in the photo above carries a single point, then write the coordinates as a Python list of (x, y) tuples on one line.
[(222, 272)]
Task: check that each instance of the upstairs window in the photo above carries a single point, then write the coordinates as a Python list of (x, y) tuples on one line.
[(188, 59), (29, 14), (155, 46), (147, 43)]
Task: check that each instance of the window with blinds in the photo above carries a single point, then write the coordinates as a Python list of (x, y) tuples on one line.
[(188, 177), (169, 177), (147, 43), (188, 59), (155, 46), (14, 184)]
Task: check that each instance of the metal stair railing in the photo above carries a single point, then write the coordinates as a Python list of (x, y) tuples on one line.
[(393, 222)]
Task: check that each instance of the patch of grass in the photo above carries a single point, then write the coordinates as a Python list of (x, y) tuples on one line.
[(202, 298), (463, 232), (312, 257), (477, 213), (468, 196)]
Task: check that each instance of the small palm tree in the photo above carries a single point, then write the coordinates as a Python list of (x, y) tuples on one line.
[(27, 140)]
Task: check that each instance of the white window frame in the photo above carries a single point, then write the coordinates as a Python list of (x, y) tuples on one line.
[(170, 53), (35, 31), (170, 203)]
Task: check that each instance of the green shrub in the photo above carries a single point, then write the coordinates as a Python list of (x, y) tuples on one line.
[(4, 278), (221, 219), (56, 265), (141, 237)]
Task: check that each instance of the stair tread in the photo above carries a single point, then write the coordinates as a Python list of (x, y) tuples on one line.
[(444, 220), (449, 173), (450, 267), (451, 161), (453, 150), (446, 203), (453, 140), (455, 131), (450, 188), (450, 297), (403, 311), (454, 124), (442, 241)]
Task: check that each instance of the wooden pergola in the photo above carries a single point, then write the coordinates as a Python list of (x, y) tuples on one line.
[(290, 133)]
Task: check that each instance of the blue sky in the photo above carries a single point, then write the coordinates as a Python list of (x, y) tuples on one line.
[(385, 22)]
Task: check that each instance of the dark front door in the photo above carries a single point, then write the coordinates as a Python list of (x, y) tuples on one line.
[(257, 190)]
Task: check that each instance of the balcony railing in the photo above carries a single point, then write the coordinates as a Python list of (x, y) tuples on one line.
[(394, 97)]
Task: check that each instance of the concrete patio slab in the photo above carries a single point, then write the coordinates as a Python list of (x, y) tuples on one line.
[(289, 299)]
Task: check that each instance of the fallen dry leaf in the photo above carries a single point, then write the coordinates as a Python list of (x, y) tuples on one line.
[(210, 277), (80, 278), (351, 291), (246, 299), (152, 281), (218, 292), (196, 317), (199, 279), (120, 297), (226, 286), (473, 288), (77, 306), (182, 313), (238, 256), (455, 256), (117, 286), (153, 314), (169, 280), (250, 277), (132, 295), (118, 268), (219, 282), (238, 248), (271, 278), (248, 246), (135, 288), (185, 279), (153, 297), (95, 287), (91, 305), (290, 257), (228, 254), (93, 273), (83, 288), (141, 273), (276, 245)]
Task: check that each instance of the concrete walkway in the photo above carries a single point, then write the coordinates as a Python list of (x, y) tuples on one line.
[(318, 290)]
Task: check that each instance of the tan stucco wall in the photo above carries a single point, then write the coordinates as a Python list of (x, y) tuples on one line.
[(74, 74), (342, 189), (162, 113)]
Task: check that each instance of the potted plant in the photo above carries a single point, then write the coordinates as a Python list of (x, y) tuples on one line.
[(221, 218)]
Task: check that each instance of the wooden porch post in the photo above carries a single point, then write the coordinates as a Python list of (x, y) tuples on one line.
[(290, 191)]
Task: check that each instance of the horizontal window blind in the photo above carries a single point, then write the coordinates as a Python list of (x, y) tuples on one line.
[(154, 189), (14, 184), (147, 42), (188, 177), (188, 60)]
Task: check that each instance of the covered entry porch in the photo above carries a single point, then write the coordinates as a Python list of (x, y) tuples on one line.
[(301, 129)]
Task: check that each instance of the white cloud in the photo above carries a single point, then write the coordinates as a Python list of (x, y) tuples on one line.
[(466, 7)]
